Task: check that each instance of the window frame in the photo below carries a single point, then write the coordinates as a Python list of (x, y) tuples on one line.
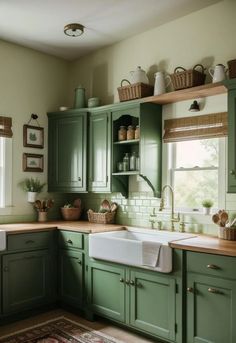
[(169, 160)]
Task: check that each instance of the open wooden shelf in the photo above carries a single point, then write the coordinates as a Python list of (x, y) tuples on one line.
[(131, 141), (133, 172), (187, 94)]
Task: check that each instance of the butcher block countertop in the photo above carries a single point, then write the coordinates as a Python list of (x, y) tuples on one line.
[(206, 244), (200, 243), (78, 226)]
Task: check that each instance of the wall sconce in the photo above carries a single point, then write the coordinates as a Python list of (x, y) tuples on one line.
[(194, 107)]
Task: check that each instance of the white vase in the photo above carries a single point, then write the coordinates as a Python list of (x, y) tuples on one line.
[(206, 210), (31, 196)]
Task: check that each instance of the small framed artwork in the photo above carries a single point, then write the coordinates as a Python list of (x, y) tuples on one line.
[(32, 162), (33, 136)]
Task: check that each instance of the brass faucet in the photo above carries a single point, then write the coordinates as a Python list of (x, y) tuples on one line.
[(162, 205)]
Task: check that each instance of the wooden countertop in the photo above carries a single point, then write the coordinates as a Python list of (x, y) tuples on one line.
[(206, 244), (200, 243), (78, 226)]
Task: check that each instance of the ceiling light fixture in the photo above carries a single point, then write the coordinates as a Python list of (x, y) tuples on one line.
[(74, 30), (194, 107)]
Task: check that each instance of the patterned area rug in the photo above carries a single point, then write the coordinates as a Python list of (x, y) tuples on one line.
[(60, 330)]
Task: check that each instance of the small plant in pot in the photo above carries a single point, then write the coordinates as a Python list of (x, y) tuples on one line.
[(32, 187), (207, 205)]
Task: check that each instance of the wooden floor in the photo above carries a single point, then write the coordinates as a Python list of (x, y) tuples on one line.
[(102, 325)]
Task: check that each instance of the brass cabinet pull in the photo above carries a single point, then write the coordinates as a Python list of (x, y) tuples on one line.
[(190, 289), (132, 283), (212, 266), (213, 290), (121, 279), (69, 241)]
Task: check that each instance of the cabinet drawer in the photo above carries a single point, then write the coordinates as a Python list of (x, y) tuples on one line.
[(70, 239), (28, 241), (215, 265)]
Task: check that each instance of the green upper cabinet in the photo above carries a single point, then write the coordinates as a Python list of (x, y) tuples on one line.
[(100, 152), (231, 85), (148, 147), (67, 151)]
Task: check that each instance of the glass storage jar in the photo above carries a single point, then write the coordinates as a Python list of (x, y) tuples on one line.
[(130, 132), (126, 162), (122, 133), (137, 132), (132, 161)]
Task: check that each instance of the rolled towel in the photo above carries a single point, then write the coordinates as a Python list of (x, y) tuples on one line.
[(151, 252)]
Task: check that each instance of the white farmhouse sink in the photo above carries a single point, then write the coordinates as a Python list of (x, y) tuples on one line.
[(2, 240), (138, 247)]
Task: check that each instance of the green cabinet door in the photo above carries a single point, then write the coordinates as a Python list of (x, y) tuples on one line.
[(211, 309), (27, 280), (71, 276), (67, 152), (152, 303), (100, 152), (107, 290)]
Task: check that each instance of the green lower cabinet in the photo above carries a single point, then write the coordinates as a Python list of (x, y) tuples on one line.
[(211, 309), (152, 304), (71, 276), (26, 280), (107, 290)]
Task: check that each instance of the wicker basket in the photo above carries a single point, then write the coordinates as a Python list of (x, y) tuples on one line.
[(227, 233), (134, 91), (70, 213), (232, 69), (188, 78), (101, 218)]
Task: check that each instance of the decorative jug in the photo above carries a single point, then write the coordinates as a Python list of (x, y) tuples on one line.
[(79, 101), (161, 83), (218, 73), (139, 75)]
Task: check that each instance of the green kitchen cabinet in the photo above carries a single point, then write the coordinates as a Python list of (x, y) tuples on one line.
[(67, 151), (148, 146), (71, 277), (100, 152), (139, 298), (211, 298), (231, 85), (26, 280), (107, 290)]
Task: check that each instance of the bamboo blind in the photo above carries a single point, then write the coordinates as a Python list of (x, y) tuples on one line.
[(5, 127), (198, 127)]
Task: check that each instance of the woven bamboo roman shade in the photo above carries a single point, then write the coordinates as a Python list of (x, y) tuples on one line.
[(198, 127), (5, 127)]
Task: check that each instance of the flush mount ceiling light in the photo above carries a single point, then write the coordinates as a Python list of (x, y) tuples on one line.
[(74, 30), (194, 107)]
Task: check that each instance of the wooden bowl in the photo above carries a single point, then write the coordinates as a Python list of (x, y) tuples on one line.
[(71, 213)]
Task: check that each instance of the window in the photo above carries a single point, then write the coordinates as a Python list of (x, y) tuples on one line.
[(196, 172)]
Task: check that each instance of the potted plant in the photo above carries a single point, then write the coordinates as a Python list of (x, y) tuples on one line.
[(32, 187), (207, 204)]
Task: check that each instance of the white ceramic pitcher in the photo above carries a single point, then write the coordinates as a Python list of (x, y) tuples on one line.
[(218, 73), (161, 83)]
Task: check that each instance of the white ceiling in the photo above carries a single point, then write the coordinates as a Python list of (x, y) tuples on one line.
[(39, 24)]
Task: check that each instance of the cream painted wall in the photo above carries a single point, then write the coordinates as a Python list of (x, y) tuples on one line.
[(206, 36), (31, 82)]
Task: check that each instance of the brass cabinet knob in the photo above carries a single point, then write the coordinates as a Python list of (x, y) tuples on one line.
[(214, 290), (79, 178), (121, 280), (132, 283), (212, 266), (80, 262), (232, 172), (127, 282), (190, 289)]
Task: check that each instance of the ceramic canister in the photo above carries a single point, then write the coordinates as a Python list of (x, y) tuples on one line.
[(79, 101)]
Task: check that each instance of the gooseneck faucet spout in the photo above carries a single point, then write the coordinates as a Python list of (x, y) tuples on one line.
[(162, 205)]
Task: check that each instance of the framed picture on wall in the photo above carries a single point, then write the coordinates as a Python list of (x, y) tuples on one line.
[(32, 162), (33, 136)]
